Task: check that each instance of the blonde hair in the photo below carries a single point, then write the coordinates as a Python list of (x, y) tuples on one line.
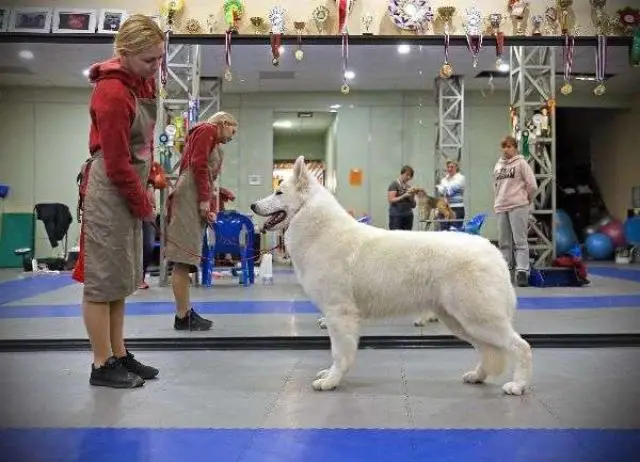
[(454, 163), (136, 34), (223, 118)]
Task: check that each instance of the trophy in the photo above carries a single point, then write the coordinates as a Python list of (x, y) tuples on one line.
[(551, 20), (319, 16), (365, 23), (445, 14), (518, 10), (563, 7), (536, 24), (192, 26), (473, 31), (629, 18), (299, 27), (211, 23), (258, 23), (598, 16), (495, 20), (233, 11)]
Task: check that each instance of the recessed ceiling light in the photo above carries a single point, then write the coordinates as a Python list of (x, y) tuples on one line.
[(503, 67), (335, 106), (26, 54), (404, 49), (349, 75), (283, 124)]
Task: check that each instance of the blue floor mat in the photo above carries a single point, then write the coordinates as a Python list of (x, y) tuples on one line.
[(319, 445)]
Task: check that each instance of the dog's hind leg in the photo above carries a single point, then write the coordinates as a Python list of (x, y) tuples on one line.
[(503, 338), (344, 333), (492, 361)]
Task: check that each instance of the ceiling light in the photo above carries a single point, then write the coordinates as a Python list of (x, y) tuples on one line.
[(503, 67), (349, 75), (335, 106), (283, 124), (404, 49), (26, 54), (333, 110)]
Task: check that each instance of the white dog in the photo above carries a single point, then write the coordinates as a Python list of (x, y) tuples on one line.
[(353, 271)]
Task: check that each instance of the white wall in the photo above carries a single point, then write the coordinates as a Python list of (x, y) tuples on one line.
[(44, 137), (615, 157)]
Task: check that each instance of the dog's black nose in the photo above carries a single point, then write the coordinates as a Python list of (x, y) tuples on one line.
[(253, 207)]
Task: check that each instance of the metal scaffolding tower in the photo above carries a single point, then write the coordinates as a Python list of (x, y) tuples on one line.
[(450, 125), (186, 95), (533, 93)]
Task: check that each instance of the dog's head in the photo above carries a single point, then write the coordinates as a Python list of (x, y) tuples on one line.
[(282, 205)]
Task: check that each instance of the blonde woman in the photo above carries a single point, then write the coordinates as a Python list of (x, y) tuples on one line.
[(514, 184), (114, 201), (191, 205)]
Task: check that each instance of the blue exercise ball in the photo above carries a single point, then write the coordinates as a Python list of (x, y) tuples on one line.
[(599, 246), (565, 240), (632, 230), (563, 220)]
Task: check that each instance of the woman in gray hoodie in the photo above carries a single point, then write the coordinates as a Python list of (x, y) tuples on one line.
[(514, 184)]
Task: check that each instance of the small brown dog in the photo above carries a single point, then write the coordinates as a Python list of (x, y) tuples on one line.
[(429, 203)]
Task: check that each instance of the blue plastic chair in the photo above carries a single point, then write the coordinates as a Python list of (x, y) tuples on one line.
[(474, 225), (228, 229)]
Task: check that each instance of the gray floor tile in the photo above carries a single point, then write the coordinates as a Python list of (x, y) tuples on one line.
[(386, 389)]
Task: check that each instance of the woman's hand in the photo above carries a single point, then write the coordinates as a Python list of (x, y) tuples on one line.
[(204, 209)]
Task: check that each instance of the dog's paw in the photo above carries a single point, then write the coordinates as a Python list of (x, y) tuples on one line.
[(514, 388), (324, 384), (421, 322), (472, 377), (322, 374), (322, 323)]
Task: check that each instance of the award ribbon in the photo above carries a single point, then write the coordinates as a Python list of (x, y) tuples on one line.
[(227, 55), (343, 13), (567, 57), (474, 45), (601, 65), (276, 40), (499, 48), (345, 59), (446, 70)]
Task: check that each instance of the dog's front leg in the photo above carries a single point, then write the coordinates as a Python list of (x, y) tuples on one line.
[(344, 334)]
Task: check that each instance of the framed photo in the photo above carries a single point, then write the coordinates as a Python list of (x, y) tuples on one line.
[(109, 20), (74, 21), (5, 17), (31, 19)]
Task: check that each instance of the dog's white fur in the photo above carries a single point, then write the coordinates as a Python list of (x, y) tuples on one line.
[(353, 271)]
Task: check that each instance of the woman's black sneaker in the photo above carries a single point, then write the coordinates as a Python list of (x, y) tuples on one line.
[(114, 375), (522, 279), (134, 366), (192, 321)]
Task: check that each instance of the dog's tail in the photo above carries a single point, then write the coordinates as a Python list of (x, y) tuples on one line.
[(494, 359)]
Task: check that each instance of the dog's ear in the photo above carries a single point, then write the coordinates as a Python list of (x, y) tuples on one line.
[(301, 174)]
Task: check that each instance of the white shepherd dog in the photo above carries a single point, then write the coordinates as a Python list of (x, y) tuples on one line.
[(353, 271)]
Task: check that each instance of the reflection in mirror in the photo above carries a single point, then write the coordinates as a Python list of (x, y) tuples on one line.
[(394, 115)]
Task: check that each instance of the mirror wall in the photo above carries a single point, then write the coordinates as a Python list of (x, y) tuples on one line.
[(356, 143)]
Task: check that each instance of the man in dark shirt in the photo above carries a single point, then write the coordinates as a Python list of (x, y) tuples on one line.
[(401, 198)]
